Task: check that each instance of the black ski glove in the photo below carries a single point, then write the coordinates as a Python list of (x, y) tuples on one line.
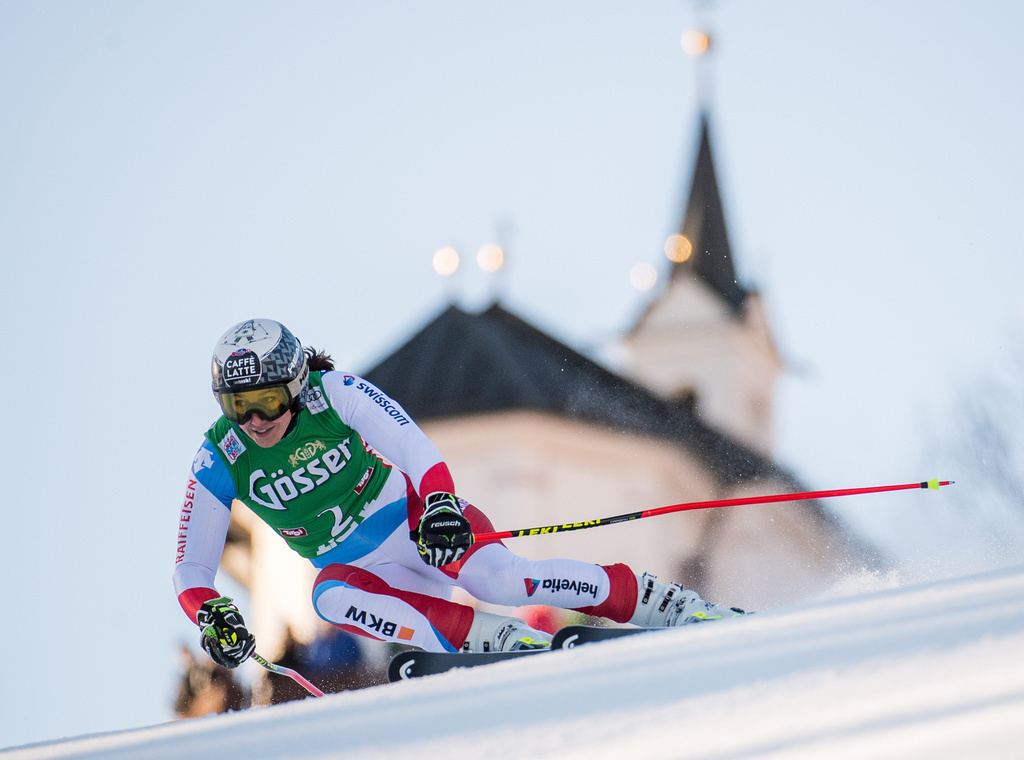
[(444, 534), (224, 636)]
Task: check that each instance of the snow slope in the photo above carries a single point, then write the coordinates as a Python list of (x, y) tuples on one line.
[(930, 671)]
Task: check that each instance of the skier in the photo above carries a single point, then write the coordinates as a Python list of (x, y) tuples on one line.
[(342, 473)]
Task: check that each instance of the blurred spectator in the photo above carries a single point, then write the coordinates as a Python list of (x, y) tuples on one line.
[(283, 688), (336, 661), (206, 688)]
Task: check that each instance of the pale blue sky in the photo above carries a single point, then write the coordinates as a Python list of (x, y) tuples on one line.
[(168, 169)]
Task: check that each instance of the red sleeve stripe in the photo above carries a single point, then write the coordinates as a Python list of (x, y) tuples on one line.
[(192, 599), (438, 478)]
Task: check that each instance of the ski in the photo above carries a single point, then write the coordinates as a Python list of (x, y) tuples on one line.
[(413, 663), (577, 635)]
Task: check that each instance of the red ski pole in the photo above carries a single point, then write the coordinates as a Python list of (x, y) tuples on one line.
[(294, 675), (498, 536)]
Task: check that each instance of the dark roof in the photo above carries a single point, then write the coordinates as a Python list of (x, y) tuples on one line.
[(462, 363), (704, 226)]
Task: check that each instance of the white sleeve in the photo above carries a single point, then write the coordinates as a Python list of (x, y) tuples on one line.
[(385, 426), (202, 530)]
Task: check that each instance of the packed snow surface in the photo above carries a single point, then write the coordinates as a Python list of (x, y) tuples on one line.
[(929, 671)]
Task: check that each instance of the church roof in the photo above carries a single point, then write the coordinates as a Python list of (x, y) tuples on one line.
[(703, 225), (463, 363)]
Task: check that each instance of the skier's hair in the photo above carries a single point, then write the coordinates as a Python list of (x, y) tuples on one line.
[(318, 360)]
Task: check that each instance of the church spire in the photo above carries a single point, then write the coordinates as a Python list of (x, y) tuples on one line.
[(705, 340), (704, 249)]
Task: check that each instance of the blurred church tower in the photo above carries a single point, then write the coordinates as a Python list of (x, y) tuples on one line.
[(704, 340)]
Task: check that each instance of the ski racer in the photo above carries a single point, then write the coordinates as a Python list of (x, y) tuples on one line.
[(342, 474)]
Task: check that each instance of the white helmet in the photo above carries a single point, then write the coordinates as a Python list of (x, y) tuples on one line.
[(259, 366)]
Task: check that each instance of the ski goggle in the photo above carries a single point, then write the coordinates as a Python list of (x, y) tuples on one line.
[(269, 402)]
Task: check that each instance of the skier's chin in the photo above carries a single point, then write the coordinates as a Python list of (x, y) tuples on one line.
[(266, 434)]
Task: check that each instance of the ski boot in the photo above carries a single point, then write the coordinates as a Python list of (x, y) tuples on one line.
[(497, 633), (661, 606)]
